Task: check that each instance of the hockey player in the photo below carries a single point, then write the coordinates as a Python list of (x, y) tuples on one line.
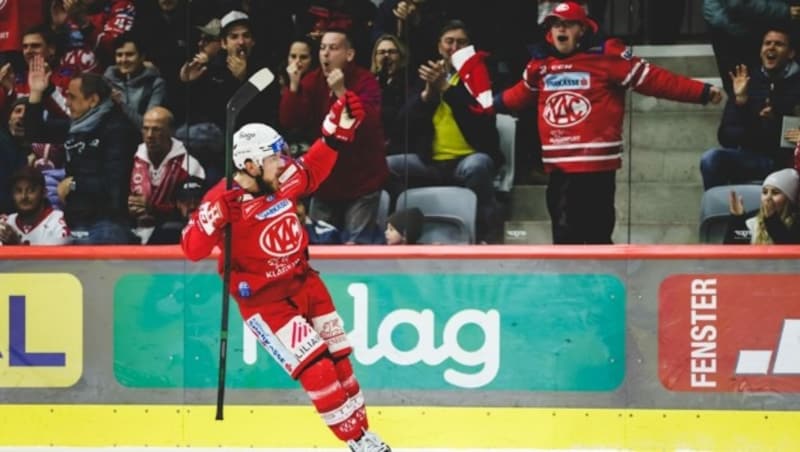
[(280, 297), (577, 80)]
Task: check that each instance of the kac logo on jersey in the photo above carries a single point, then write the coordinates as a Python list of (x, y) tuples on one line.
[(566, 109), (283, 236), (278, 208), (567, 81)]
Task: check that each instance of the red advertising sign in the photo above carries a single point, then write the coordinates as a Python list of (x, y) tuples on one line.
[(729, 333)]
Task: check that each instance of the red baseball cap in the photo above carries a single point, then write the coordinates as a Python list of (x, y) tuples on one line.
[(574, 12)]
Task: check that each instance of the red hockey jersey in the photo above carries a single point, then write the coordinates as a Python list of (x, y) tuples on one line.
[(581, 103), (269, 244)]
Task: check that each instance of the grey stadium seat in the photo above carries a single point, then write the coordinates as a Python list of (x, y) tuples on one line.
[(444, 229), (443, 202), (715, 209)]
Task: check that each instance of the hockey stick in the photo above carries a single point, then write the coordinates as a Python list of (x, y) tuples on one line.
[(254, 85)]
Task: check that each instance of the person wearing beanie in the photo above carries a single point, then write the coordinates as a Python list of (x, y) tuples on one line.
[(776, 219), (404, 227)]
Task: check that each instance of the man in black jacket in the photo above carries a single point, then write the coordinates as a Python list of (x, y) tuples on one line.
[(750, 131), (100, 143), (451, 143)]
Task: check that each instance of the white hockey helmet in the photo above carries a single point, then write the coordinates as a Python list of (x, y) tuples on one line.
[(255, 142)]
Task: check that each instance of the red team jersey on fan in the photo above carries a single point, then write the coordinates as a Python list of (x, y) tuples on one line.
[(269, 244), (581, 102), (16, 16)]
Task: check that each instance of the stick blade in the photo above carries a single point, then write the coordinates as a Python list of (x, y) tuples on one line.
[(262, 79)]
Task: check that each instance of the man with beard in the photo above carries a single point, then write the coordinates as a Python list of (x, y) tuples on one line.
[(213, 82), (35, 222), (276, 289)]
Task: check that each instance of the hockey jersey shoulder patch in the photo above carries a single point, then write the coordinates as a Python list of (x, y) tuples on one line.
[(275, 209)]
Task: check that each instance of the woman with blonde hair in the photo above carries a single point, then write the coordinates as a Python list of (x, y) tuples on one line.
[(389, 63), (777, 219)]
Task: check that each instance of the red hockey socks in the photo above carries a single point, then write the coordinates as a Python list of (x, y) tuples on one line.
[(341, 413), (344, 370)]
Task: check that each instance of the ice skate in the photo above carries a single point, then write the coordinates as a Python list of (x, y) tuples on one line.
[(370, 442)]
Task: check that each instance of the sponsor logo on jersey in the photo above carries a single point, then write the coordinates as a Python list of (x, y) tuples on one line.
[(729, 333), (275, 210), (300, 338), (283, 236), (566, 109), (267, 339), (567, 81)]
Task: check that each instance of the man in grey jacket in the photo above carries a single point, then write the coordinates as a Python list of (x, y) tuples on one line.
[(136, 88)]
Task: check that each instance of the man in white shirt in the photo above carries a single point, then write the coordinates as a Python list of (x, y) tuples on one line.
[(35, 221)]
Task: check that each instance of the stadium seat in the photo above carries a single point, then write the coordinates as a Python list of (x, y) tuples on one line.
[(380, 215), (507, 128), (442, 205), (444, 229), (383, 210), (715, 209)]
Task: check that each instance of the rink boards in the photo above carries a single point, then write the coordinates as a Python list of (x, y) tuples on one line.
[(535, 348)]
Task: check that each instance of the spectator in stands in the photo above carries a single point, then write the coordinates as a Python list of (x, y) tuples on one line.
[(578, 81), (187, 200), (217, 80), (451, 144), (404, 227), (209, 43), (349, 197), (160, 166), (135, 88), (47, 157), (95, 24), (272, 23), (36, 41), (389, 60), (737, 28), (299, 61), (15, 17), (35, 222), (777, 219), (354, 17), (11, 159), (100, 142), (161, 25), (750, 130), (44, 156), (415, 22), (319, 232)]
